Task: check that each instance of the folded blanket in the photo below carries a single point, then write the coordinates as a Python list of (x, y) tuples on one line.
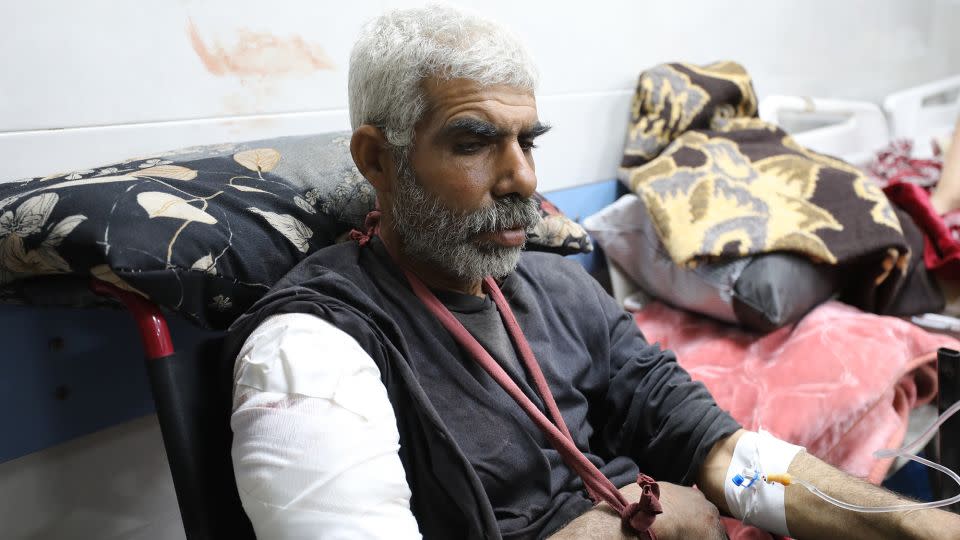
[(840, 382), (718, 181), (895, 164)]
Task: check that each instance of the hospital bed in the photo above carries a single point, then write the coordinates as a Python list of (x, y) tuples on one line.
[(854, 131)]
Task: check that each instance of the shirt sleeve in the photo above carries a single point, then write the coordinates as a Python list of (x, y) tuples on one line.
[(655, 413), (315, 446)]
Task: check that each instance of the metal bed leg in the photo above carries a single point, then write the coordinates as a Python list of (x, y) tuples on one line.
[(947, 441)]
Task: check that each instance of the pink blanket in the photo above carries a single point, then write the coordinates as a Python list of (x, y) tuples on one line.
[(840, 382)]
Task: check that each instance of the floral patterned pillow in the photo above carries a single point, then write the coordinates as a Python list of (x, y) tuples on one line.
[(204, 231), (556, 232)]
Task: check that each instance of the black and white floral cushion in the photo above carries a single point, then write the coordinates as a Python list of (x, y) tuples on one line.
[(204, 231)]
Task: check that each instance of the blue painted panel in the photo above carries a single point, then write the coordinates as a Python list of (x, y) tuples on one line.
[(912, 480), (583, 201), (69, 372)]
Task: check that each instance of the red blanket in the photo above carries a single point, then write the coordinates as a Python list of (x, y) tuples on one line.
[(907, 182), (840, 382)]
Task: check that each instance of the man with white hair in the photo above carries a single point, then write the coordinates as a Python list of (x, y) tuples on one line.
[(431, 378)]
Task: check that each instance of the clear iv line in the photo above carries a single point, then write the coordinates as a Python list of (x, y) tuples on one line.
[(905, 451)]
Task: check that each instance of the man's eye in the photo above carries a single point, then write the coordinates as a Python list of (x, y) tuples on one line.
[(527, 145), (471, 147)]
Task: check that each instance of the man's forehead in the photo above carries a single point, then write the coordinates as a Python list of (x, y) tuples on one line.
[(507, 107)]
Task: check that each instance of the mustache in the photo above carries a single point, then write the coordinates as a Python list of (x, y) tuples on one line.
[(508, 212), (418, 212), (433, 231)]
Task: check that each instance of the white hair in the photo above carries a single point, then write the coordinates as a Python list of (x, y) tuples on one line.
[(399, 49)]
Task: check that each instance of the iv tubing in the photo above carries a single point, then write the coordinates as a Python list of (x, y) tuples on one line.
[(896, 507), (905, 451), (912, 447)]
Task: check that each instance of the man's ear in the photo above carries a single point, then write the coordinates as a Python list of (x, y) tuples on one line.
[(373, 158)]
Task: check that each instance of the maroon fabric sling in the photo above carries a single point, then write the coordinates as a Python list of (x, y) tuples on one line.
[(637, 516)]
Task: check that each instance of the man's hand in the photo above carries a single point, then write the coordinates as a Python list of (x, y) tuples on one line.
[(686, 514)]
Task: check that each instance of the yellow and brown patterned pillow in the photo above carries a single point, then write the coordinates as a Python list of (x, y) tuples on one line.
[(718, 182)]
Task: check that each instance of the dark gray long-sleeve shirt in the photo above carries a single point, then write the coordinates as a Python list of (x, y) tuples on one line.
[(474, 460), (609, 421)]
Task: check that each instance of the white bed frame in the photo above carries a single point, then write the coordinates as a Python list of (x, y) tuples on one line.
[(850, 130), (924, 112), (855, 130)]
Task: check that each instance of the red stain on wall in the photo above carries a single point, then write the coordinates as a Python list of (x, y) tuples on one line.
[(259, 53)]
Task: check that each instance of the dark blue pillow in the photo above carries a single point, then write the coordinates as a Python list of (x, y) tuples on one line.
[(205, 231)]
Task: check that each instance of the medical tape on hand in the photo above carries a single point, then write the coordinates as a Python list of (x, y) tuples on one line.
[(760, 504)]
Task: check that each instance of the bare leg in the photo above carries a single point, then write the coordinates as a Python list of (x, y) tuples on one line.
[(946, 195)]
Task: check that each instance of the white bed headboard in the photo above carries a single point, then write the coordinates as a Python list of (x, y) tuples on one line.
[(924, 112), (850, 130)]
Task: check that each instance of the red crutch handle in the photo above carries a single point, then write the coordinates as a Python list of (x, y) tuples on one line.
[(153, 326)]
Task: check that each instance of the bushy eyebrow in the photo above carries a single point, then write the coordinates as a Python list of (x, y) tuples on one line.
[(486, 130), (535, 131), (470, 126)]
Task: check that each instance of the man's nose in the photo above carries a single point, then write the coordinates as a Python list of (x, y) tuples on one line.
[(516, 173)]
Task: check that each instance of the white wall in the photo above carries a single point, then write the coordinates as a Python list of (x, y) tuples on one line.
[(166, 73)]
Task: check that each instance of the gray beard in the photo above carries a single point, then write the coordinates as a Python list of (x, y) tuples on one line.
[(432, 232)]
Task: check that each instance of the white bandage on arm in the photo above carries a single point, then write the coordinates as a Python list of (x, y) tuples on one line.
[(315, 437), (761, 504)]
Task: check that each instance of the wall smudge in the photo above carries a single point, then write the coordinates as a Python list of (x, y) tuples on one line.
[(259, 54)]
